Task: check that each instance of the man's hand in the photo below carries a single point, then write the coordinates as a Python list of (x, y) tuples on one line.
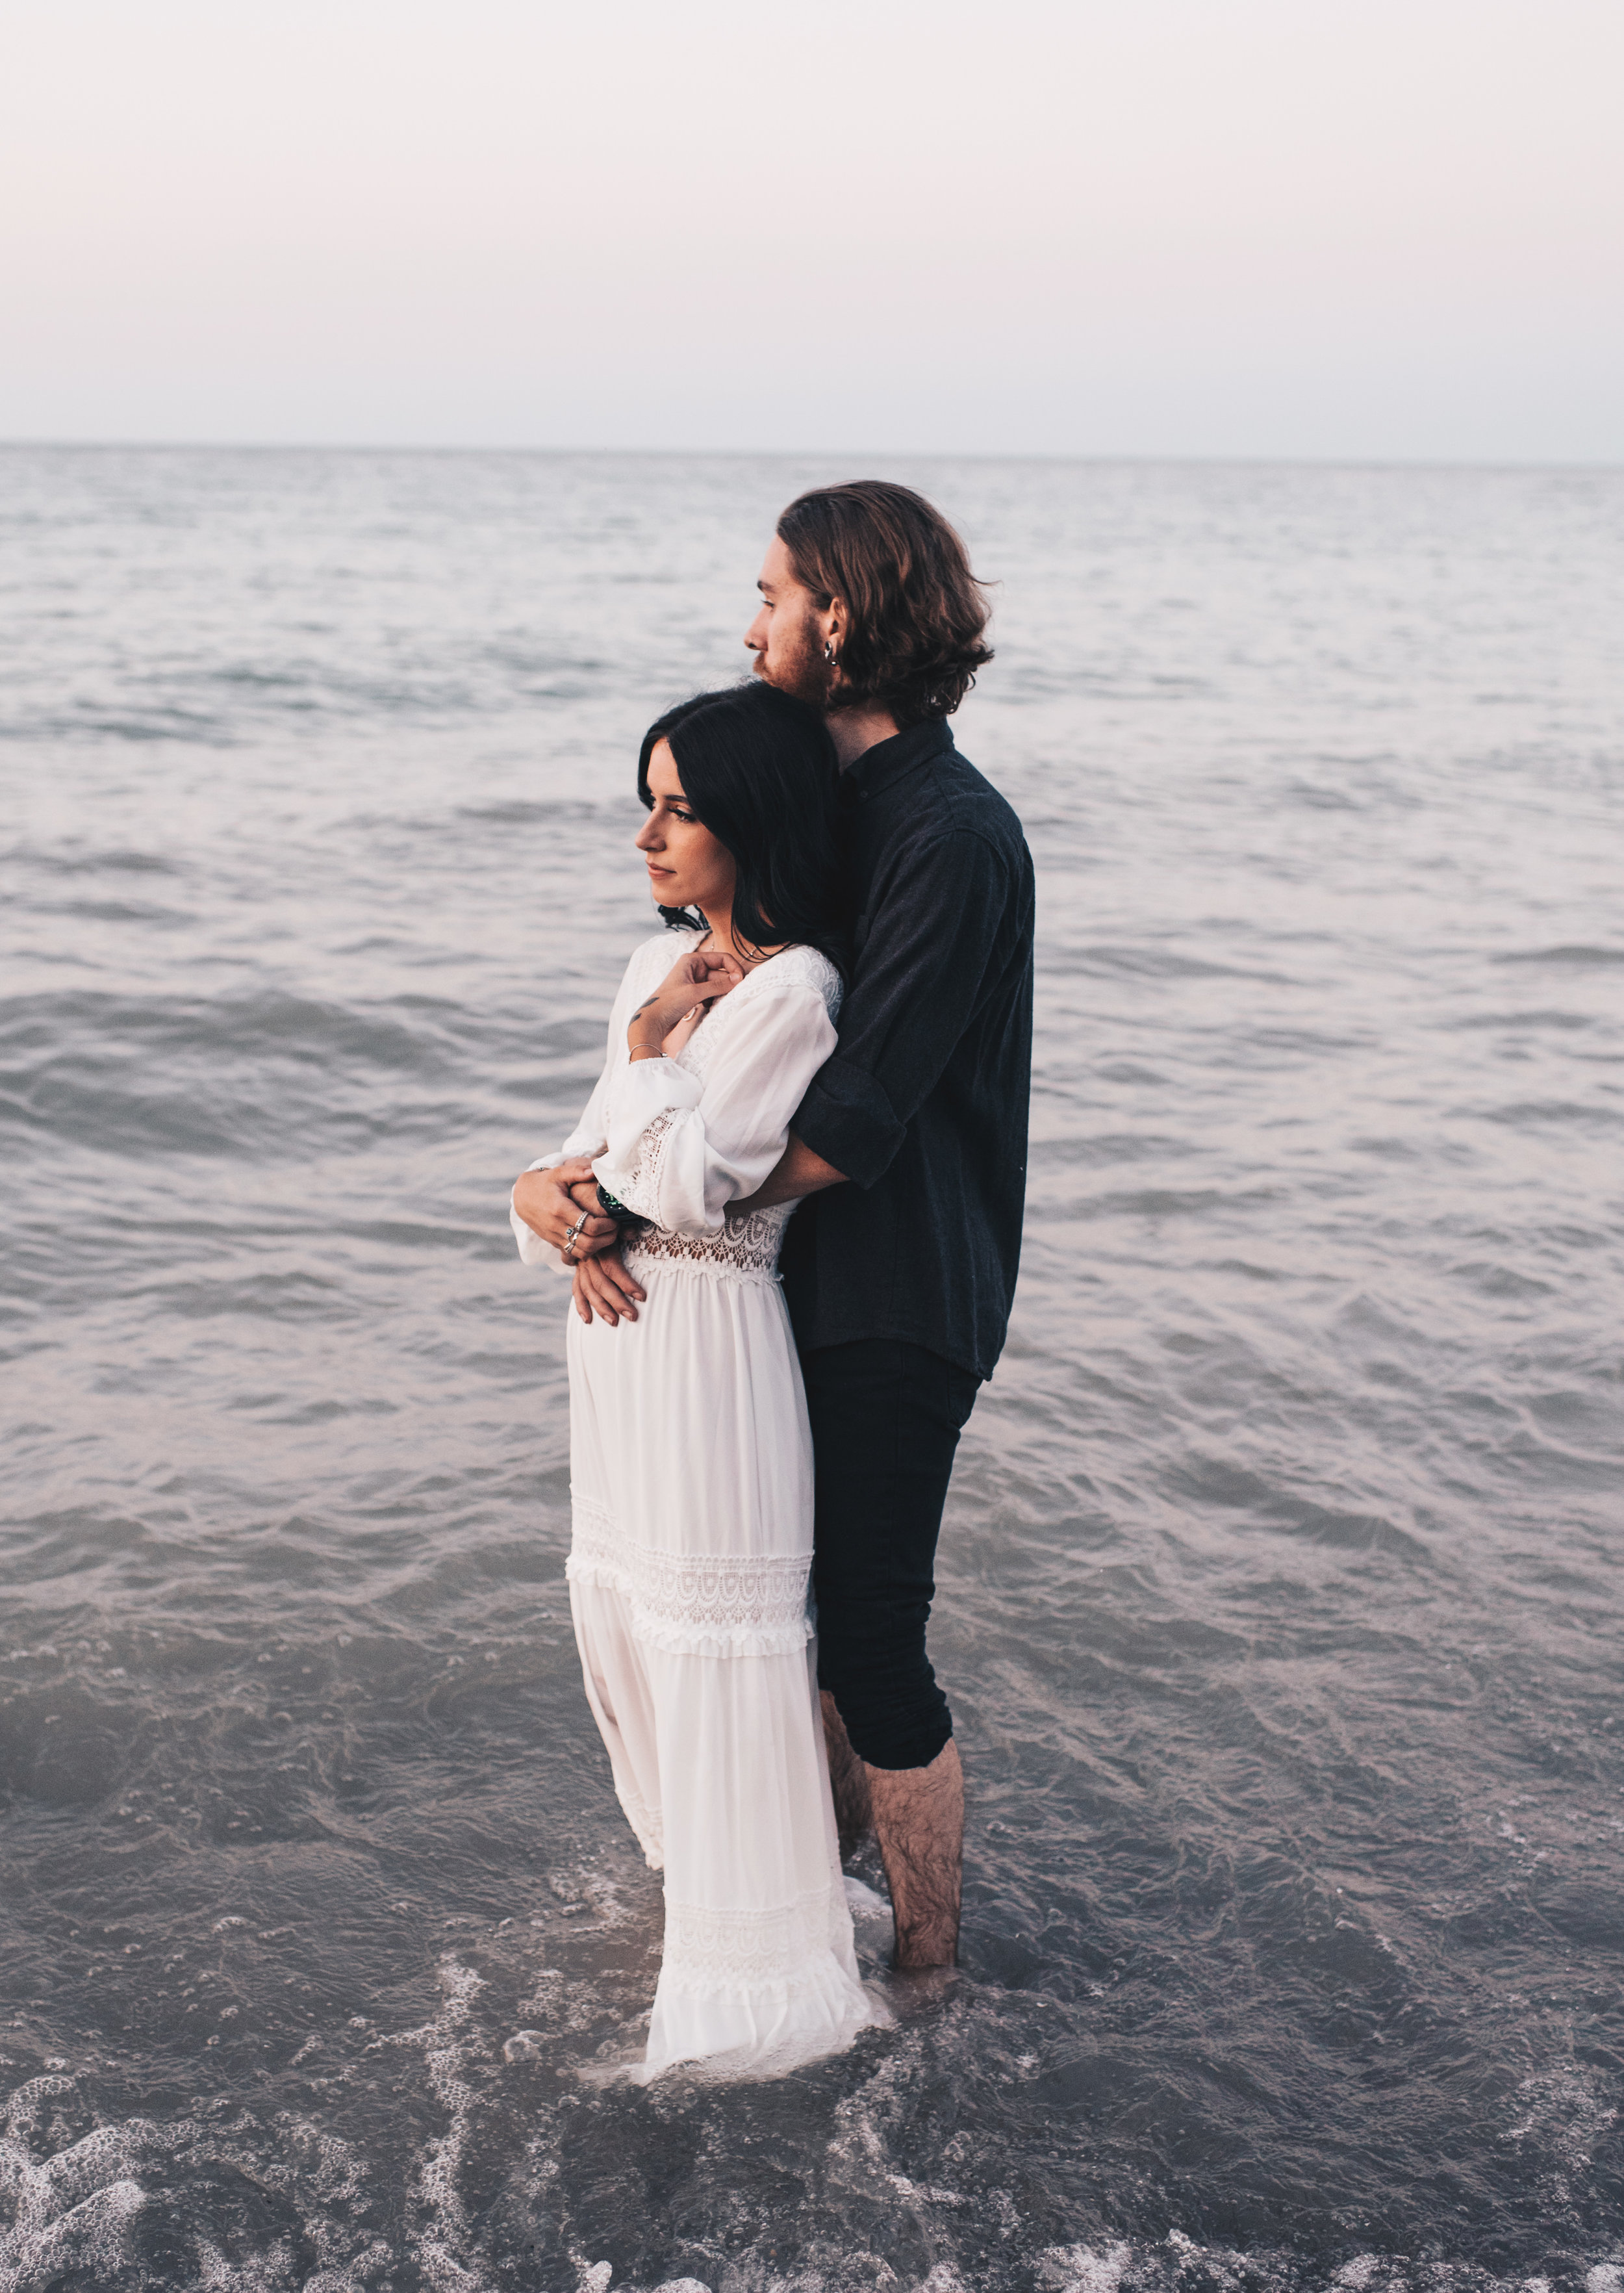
[(601, 1278), (543, 1201), (797, 1171), (602, 1284)]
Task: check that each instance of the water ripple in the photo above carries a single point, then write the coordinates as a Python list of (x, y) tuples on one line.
[(1279, 1598)]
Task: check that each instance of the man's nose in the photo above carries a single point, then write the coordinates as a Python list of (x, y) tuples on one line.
[(755, 635)]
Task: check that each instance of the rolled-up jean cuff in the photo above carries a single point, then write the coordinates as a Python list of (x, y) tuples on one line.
[(883, 1743)]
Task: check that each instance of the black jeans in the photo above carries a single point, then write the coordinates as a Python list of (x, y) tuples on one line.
[(886, 1421)]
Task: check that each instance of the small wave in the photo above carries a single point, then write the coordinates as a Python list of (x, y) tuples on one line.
[(1166, 1202), (1528, 1113), (1220, 1481), (69, 862), (518, 812), (1106, 1147), (117, 912), (1320, 798), (1141, 963), (89, 725), (232, 1074), (1474, 1022), (1573, 954)]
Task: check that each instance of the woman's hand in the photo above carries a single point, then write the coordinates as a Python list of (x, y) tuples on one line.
[(697, 980), (544, 1201)]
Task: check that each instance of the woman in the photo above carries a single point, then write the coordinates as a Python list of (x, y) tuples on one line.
[(690, 1456)]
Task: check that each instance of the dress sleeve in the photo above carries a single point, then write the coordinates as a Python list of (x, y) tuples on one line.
[(680, 1150), (589, 1137)]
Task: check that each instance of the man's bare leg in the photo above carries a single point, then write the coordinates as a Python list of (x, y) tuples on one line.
[(848, 1780), (919, 1815)]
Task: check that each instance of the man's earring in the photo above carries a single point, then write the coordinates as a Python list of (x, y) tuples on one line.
[(828, 651)]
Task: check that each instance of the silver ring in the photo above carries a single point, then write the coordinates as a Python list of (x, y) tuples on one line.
[(577, 1230)]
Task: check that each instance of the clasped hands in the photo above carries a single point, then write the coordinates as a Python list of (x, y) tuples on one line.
[(562, 1204)]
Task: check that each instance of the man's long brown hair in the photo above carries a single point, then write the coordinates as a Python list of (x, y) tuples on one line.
[(915, 635)]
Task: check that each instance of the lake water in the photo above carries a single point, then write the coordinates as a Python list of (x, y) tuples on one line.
[(1280, 1588)]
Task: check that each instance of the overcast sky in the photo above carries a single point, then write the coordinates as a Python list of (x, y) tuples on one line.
[(1360, 228)]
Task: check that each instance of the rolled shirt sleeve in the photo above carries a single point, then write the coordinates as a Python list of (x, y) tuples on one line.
[(918, 982)]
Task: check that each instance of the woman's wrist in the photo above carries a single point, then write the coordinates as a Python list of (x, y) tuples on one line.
[(645, 1038), (647, 1028)]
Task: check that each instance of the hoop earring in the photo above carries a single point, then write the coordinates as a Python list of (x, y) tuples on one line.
[(828, 651)]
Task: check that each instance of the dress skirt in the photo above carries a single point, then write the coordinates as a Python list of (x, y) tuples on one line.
[(689, 1580)]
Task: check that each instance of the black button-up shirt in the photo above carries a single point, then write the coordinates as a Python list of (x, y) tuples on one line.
[(924, 1106)]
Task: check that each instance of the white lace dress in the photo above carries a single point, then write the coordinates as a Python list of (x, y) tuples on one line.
[(691, 1473)]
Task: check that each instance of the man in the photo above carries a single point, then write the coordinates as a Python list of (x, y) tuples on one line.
[(909, 1147)]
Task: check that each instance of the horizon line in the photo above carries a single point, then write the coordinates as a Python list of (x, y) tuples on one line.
[(1103, 459)]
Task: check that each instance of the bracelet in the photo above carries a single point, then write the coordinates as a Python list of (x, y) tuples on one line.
[(627, 1223), (645, 1050)]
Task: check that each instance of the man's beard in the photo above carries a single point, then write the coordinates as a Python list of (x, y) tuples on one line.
[(801, 670)]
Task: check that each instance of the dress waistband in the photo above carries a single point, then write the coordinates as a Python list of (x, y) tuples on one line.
[(737, 1251)]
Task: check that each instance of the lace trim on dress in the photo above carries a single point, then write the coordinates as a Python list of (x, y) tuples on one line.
[(695, 1603), (738, 1954), (746, 1246), (803, 965), (640, 1190)]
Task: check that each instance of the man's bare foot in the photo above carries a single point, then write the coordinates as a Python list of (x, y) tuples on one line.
[(848, 1780), (919, 1816), (920, 1989)]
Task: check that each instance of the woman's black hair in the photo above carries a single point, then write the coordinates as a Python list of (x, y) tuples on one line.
[(760, 770)]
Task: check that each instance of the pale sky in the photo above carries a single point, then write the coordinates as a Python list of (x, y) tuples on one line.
[(1351, 229)]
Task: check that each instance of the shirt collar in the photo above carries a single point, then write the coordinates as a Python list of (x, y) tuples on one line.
[(889, 761)]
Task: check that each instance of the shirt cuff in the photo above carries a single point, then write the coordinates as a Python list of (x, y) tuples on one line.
[(846, 1117)]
